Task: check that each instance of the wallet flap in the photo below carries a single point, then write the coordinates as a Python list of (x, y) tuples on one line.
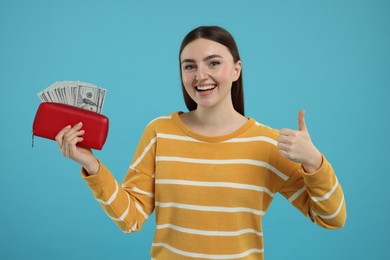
[(51, 118)]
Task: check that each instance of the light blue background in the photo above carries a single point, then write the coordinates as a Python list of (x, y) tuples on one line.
[(331, 58)]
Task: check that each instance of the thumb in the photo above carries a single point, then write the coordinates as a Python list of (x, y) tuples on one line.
[(302, 122)]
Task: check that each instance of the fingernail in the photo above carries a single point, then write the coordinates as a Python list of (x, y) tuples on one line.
[(80, 123)]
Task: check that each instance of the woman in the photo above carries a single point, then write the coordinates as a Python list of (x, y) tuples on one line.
[(211, 173)]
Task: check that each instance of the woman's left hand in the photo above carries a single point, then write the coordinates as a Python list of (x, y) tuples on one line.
[(296, 145)]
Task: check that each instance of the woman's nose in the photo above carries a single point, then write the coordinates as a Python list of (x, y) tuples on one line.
[(201, 74)]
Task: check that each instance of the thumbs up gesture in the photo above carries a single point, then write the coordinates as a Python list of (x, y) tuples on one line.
[(296, 145)]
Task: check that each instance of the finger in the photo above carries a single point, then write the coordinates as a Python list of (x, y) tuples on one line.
[(67, 130), (287, 132), (70, 137), (72, 148), (284, 139), (284, 154), (301, 121), (73, 130), (77, 126), (284, 147), (59, 137), (69, 147)]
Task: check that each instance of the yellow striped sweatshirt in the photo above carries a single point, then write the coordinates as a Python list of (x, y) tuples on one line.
[(211, 193)]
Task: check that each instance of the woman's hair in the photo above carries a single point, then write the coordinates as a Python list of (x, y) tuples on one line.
[(220, 35)]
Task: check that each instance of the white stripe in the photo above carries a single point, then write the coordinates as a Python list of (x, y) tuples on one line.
[(141, 210), (326, 196), (161, 117), (332, 215), (177, 137), (297, 194), (232, 161), (216, 184), (147, 148), (209, 208), (112, 198), (132, 229), (253, 139), (121, 218), (210, 233), (207, 256), (139, 191), (234, 140)]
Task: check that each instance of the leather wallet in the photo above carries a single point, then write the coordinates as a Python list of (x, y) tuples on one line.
[(51, 118)]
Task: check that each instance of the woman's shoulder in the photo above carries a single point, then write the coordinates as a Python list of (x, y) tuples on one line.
[(260, 129), (163, 121)]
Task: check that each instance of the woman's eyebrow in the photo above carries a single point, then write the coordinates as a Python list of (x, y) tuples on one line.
[(212, 56)]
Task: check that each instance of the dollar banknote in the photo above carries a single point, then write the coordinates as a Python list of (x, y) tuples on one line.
[(80, 94)]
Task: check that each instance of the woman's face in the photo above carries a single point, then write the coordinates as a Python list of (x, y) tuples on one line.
[(208, 71)]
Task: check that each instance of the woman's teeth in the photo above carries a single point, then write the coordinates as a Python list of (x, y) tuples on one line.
[(204, 88)]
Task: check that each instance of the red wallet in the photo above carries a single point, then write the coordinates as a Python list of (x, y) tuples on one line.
[(51, 118)]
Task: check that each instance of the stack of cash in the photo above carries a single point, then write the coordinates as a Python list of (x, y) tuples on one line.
[(75, 93)]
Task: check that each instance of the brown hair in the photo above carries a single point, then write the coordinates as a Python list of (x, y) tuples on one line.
[(220, 35)]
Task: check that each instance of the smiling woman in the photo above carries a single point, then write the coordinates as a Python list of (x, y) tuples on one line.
[(221, 36), (211, 81), (208, 66), (211, 173), (208, 71)]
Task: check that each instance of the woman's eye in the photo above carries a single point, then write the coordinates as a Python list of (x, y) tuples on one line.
[(214, 63), (189, 67)]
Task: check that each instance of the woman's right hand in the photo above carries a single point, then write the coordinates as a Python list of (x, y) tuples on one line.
[(67, 140)]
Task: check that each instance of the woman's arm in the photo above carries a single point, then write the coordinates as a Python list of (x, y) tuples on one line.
[(313, 186), (128, 205)]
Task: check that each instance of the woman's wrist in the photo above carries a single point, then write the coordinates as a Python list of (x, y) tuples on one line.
[(314, 164), (92, 168)]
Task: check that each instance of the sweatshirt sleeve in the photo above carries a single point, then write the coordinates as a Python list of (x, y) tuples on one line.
[(318, 195), (129, 205)]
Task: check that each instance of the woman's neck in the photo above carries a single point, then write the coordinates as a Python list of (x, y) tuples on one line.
[(214, 121)]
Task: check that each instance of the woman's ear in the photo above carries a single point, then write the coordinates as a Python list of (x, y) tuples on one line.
[(237, 70)]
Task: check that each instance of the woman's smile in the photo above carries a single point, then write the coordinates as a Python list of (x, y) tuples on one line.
[(205, 90)]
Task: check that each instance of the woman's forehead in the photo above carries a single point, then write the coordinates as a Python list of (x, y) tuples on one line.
[(200, 48)]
